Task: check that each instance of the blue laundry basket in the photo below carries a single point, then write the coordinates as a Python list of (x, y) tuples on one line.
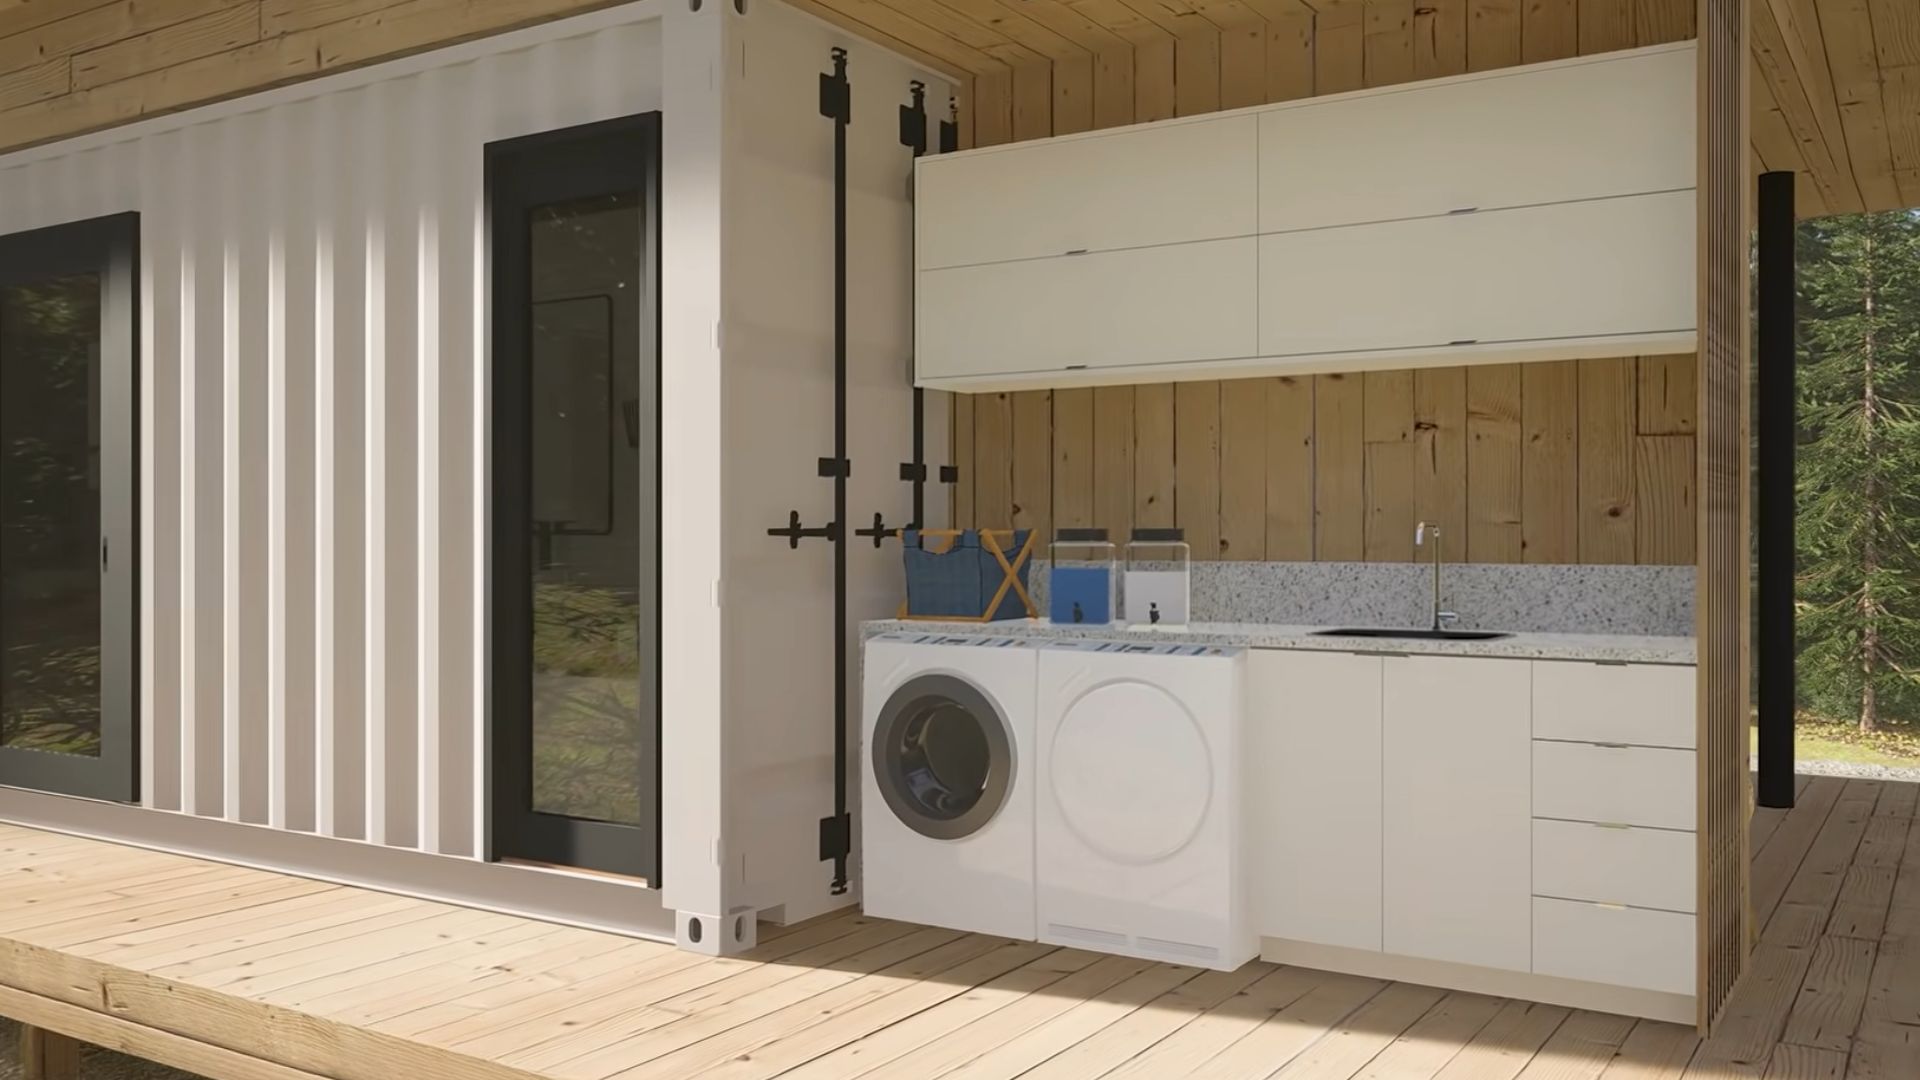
[(959, 574)]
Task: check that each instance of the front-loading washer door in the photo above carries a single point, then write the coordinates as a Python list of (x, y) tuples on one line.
[(942, 756)]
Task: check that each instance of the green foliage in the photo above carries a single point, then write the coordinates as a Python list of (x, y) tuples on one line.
[(1858, 487)]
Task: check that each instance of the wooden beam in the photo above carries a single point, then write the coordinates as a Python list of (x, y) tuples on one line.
[(48, 1055)]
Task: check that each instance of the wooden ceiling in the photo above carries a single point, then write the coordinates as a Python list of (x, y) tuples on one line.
[(1836, 83)]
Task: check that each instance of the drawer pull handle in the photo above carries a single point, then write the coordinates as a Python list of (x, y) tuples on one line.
[(1607, 906), (1614, 745), (1610, 825), (1078, 251)]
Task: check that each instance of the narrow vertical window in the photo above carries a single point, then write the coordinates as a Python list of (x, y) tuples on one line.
[(67, 364), (575, 716)]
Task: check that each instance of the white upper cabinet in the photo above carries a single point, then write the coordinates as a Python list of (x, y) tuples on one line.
[(1101, 310), (1606, 268), (1164, 184), (1539, 213), (1578, 130)]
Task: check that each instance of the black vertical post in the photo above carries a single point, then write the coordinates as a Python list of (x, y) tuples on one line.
[(1775, 400), (836, 832)]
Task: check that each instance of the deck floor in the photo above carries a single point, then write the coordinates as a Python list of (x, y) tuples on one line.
[(203, 962)]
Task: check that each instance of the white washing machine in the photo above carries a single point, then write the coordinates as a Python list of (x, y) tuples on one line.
[(946, 792), (1138, 831)]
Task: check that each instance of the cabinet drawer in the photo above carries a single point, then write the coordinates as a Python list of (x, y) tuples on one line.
[(1149, 306), (1616, 785), (1577, 860), (1641, 704), (1619, 946), (1164, 184)]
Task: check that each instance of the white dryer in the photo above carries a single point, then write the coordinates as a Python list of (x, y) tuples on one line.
[(1138, 827), (946, 793)]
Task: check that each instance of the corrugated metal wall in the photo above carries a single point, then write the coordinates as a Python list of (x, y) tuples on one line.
[(313, 440)]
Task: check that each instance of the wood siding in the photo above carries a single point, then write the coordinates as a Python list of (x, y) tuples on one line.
[(1725, 580), (70, 66), (1576, 461)]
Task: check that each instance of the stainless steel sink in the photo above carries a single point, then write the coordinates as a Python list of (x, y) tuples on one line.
[(1422, 635)]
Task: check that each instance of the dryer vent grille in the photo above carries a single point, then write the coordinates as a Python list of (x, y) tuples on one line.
[(1183, 951), (1099, 939)]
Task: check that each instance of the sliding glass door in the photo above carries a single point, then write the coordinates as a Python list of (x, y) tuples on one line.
[(67, 657), (574, 719)]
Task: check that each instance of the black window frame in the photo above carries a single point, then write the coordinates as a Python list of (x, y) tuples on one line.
[(522, 173), (109, 247)]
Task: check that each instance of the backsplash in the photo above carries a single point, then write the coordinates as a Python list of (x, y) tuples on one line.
[(1536, 598)]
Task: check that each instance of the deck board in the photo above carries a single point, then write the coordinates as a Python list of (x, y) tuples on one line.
[(243, 974)]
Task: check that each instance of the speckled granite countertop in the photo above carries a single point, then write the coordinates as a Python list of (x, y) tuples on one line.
[(1623, 648)]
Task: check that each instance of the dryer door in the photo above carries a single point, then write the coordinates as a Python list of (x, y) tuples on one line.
[(942, 756)]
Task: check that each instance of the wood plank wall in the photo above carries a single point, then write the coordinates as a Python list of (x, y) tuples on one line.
[(1581, 461), (1723, 602), (71, 66)]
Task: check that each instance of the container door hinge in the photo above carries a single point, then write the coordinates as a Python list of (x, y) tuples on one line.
[(836, 836), (836, 99)]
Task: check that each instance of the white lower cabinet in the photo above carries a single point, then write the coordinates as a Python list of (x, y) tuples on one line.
[(1617, 785), (1457, 824), (1314, 734), (1609, 943)]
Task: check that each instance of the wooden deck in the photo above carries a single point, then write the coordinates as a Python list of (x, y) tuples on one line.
[(240, 974)]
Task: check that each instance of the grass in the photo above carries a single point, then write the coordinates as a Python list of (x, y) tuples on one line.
[(1819, 739)]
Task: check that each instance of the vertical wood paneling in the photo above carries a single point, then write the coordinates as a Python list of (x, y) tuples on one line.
[(1388, 426), (1549, 30), (1072, 94), (1113, 501), (1153, 80), (1663, 472), (1196, 457), (1290, 468), (1669, 402), (1439, 38), (1113, 92), (1033, 462), (1153, 463), (1196, 73), (1073, 459), (1493, 34), (1724, 583), (1493, 463), (964, 460), (1549, 468), (1244, 430), (1339, 469), (1440, 455), (1607, 483), (993, 461), (1243, 66), (1387, 42)]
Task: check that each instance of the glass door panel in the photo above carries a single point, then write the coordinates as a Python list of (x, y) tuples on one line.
[(67, 367), (575, 623)]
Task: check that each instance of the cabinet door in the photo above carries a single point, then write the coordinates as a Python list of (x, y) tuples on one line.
[(1160, 184), (1580, 130), (1574, 270), (1458, 830), (1313, 724), (1147, 306)]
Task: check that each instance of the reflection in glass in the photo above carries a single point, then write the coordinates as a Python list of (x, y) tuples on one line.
[(50, 516), (589, 733)]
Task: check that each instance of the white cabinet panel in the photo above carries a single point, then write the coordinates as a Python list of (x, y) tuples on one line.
[(1619, 785), (1458, 833), (1163, 184), (1313, 723), (1640, 704), (1589, 269), (1578, 860), (1652, 950), (1186, 302), (1517, 138)]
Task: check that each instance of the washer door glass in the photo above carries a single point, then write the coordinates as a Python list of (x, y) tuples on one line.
[(942, 756)]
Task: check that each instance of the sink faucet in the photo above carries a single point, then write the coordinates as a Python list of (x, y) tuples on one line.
[(1421, 533)]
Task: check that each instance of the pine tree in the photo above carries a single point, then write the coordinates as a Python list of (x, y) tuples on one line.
[(1858, 491)]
